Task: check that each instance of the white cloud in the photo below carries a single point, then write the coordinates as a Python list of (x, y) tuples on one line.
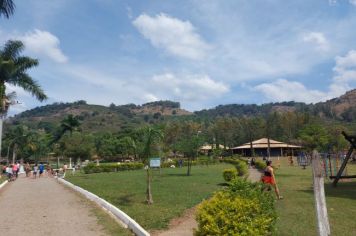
[(343, 80), (353, 2), (188, 87), (177, 37), (318, 39), (344, 73), (284, 90), (44, 43)]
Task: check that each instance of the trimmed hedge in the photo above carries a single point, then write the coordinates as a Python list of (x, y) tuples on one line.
[(242, 209), (229, 174), (109, 167), (260, 165), (185, 163), (240, 165)]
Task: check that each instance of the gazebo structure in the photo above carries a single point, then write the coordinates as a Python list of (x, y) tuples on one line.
[(206, 149), (260, 148)]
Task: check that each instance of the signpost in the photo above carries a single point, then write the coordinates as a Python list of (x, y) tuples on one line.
[(155, 162)]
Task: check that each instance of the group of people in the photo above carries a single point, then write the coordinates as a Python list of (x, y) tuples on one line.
[(36, 170), (11, 171)]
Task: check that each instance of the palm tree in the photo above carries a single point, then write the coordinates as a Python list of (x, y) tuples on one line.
[(128, 144), (13, 71), (70, 123), (150, 138), (7, 8)]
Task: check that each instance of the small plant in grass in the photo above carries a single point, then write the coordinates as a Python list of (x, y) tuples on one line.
[(242, 209), (229, 174)]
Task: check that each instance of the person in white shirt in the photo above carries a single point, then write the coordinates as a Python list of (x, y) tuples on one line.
[(9, 172)]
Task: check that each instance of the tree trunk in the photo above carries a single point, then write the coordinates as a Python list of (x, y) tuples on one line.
[(269, 148), (189, 166), (148, 191), (1, 122), (14, 154)]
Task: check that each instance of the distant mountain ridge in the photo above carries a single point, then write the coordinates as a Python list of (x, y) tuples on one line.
[(115, 118)]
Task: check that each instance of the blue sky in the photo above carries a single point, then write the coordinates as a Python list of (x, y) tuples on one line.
[(200, 53)]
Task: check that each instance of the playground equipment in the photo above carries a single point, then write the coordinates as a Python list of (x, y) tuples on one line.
[(331, 163), (339, 175), (303, 160)]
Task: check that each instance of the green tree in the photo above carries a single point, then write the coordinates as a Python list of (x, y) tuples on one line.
[(7, 8), (189, 141), (150, 138), (78, 145), (128, 145), (69, 124), (13, 70), (314, 136)]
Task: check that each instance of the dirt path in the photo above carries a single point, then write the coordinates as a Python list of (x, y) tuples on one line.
[(35, 207), (254, 175), (184, 225)]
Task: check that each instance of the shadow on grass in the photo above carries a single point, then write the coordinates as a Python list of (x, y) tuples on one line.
[(223, 184), (177, 174), (343, 190), (125, 200)]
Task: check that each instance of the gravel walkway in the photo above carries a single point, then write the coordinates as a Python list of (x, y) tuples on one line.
[(35, 207)]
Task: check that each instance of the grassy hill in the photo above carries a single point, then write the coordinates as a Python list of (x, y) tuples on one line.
[(97, 118)]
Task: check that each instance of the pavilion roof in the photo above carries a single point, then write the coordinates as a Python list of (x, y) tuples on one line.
[(263, 143)]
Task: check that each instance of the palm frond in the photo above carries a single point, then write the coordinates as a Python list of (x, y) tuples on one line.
[(12, 49), (24, 63), (7, 8), (24, 81)]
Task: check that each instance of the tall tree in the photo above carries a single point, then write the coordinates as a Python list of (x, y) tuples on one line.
[(69, 124), (150, 136), (7, 8), (13, 71)]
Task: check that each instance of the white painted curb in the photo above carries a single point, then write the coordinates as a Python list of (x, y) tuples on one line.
[(122, 216), (3, 184)]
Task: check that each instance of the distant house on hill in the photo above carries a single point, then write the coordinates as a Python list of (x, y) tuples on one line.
[(260, 148)]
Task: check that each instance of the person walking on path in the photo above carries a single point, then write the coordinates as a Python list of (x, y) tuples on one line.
[(269, 178), (9, 172), (18, 169), (15, 170), (35, 169), (27, 169), (41, 168)]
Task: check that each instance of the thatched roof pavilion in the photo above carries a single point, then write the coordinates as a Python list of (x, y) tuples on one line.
[(260, 148)]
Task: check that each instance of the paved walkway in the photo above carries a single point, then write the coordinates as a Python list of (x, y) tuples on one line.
[(254, 175), (35, 207)]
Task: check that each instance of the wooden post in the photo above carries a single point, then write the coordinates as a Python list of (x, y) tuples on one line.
[(319, 196)]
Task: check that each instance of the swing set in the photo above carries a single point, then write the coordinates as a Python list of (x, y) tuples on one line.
[(342, 172)]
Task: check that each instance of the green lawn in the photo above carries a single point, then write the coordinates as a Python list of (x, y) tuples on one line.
[(296, 211), (173, 191)]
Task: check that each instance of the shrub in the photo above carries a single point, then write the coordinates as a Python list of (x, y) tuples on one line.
[(241, 165), (241, 168), (229, 174), (260, 165), (111, 167), (242, 209)]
